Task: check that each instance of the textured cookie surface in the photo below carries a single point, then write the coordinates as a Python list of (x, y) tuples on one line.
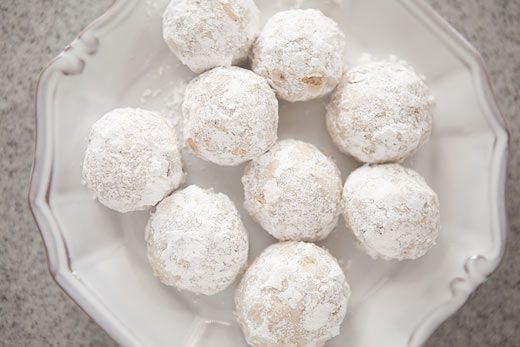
[(204, 34), (301, 53), (380, 112), (392, 211), (132, 159), (230, 116), (196, 241), (293, 191), (294, 294)]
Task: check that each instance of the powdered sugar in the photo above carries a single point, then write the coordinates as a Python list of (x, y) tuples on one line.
[(172, 109), (301, 53), (296, 4), (149, 94), (392, 211), (319, 317), (132, 160), (196, 241), (153, 9), (381, 112), (230, 116), (294, 294), (210, 33), (170, 99), (293, 191)]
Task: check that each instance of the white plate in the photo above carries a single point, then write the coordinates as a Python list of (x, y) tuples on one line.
[(98, 256)]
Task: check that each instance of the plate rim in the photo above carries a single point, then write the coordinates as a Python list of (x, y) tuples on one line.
[(70, 61)]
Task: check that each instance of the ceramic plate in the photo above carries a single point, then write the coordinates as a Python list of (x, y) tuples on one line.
[(98, 256)]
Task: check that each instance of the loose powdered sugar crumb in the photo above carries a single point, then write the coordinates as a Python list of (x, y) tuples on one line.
[(296, 4), (149, 94), (173, 99), (163, 68), (153, 9)]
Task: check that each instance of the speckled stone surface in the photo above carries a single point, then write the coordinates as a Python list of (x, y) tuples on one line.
[(35, 312)]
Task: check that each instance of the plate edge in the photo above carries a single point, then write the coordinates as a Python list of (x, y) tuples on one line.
[(476, 274), (39, 204)]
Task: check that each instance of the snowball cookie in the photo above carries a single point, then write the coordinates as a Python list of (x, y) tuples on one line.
[(294, 294), (196, 241), (293, 191), (392, 211), (230, 115), (300, 52), (207, 33), (380, 112), (132, 159)]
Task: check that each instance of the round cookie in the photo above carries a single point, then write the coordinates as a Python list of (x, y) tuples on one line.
[(209, 33), (381, 112), (392, 211), (293, 191), (196, 241), (300, 53), (230, 115), (132, 160), (294, 294)]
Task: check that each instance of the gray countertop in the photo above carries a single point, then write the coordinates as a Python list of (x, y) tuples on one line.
[(35, 312)]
